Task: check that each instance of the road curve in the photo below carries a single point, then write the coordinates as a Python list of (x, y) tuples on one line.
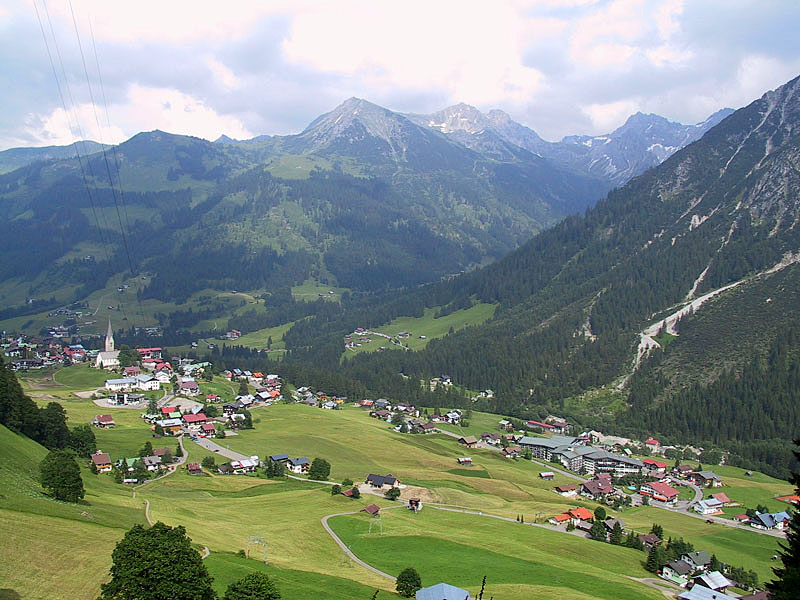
[(347, 550)]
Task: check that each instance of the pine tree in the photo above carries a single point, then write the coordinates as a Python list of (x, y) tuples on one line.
[(653, 560), (788, 575), (616, 534)]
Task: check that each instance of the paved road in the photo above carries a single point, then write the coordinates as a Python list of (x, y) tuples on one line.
[(347, 550), (221, 450)]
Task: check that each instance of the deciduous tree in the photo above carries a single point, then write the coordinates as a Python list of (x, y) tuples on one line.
[(408, 582), (83, 441), (320, 469), (157, 564), (254, 586), (61, 476)]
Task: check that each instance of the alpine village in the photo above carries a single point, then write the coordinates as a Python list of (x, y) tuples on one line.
[(403, 355)]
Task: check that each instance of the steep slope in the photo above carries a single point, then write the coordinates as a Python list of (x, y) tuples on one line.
[(575, 299), (14, 158)]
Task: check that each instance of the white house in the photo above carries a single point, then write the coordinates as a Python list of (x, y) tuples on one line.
[(710, 506)]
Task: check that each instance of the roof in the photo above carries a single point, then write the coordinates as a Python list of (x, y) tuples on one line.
[(567, 487), (650, 538), (581, 513), (714, 580), (662, 488), (299, 461), (470, 439), (680, 567), (721, 497), (655, 463), (208, 427), (708, 475), (372, 509), (101, 458), (104, 419), (198, 418), (380, 480), (442, 591), (279, 457), (562, 517), (699, 592), (170, 423), (699, 557), (194, 466)]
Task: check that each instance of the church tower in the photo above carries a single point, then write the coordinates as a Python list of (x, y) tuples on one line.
[(109, 338)]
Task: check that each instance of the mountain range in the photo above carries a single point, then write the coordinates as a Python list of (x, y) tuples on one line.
[(364, 197), (643, 315)]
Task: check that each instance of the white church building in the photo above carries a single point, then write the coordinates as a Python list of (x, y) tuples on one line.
[(109, 357)]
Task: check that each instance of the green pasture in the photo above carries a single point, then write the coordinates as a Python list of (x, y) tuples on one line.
[(426, 325), (311, 290), (478, 423), (519, 561)]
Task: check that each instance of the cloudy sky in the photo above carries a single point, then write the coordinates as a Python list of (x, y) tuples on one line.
[(246, 68)]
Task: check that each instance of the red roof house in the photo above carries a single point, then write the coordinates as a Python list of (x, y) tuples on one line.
[(372, 509), (658, 490), (194, 419)]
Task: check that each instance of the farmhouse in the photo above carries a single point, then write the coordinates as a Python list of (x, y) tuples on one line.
[(299, 465), (770, 520), (101, 461), (512, 452), (190, 388), (372, 509), (103, 421), (246, 465), (699, 592), (711, 506), (707, 479), (649, 540), (713, 580), (468, 441), (654, 467), (383, 481), (568, 490), (284, 458), (698, 560), (194, 468), (677, 571), (170, 426)]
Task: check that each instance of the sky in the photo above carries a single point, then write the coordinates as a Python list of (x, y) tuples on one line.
[(94, 69)]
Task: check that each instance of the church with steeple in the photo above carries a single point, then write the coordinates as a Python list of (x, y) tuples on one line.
[(109, 358)]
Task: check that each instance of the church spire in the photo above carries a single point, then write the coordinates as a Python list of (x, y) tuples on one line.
[(109, 338)]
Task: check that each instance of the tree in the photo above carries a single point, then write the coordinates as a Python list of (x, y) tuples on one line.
[(320, 469), (147, 449), (788, 575), (356, 492), (152, 406), (336, 490), (83, 441), (61, 476), (254, 586), (657, 530), (275, 469), (616, 534), (247, 422), (243, 388), (598, 531), (600, 514), (128, 357), (158, 430), (392, 494), (157, 564), (140, 472), (208, 462), (55, 433), (347, 482), (167, 459), (408, 582), (178, 450), (653, 559)]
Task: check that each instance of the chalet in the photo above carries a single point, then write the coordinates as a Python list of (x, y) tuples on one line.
[(170, 426), (465, 460), (505, 425), (383, 481), (208, 429), (372, 509), (194, 468), (426, 428), (282, 458), (380, 414), (658, 490), (596, 488), (103, 421), (713, 580), (779, 520), (654, 467), (329, 405), (559, 519), (698, 560), (368, 404), (650, 540), (683, 471), (512, 452), (610, 523), (568, 490), (468, 441), (711, 506), (453, 417), (742, 518), (212, 398), (246, 465), (101, 462), (559, 425), (442, 591), (381, 404), (493, 439), (195, 421), (580, 514), (652, 444), (677, 571), (707, 479), (162, 452), (233, 407), (189, 388), (149, 353), (722, 497), (132, 371), (299, 465)]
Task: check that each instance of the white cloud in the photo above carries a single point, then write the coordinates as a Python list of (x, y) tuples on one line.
[(609, 116), (223, 75), (475, 55), (144, 109)]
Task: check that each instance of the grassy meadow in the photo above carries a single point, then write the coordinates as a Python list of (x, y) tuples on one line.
[(220, 512)]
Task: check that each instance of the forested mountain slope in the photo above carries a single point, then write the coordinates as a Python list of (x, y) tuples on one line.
[(575, 299)]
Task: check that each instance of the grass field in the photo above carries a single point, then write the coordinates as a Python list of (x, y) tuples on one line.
[(426, 326), (221, 512), (520, 562)]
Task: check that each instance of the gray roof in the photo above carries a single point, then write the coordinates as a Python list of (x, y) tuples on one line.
[(698, 592), (553, 442), (714, 580), (442, 591), (299, 461), (699, 557), (680, 567), (709, 475)]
